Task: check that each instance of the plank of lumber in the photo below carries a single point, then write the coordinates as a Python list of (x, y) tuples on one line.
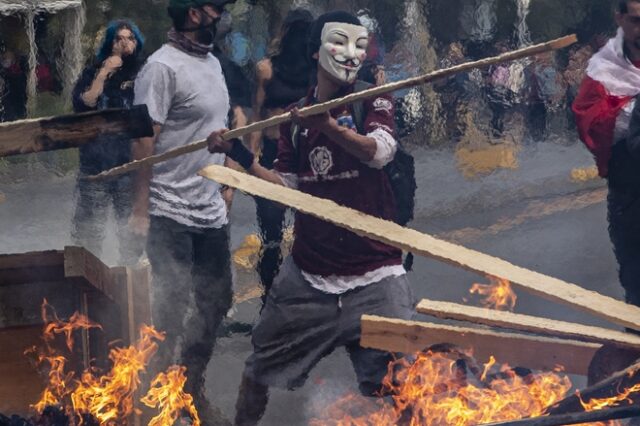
[(607, 388), (591, 417), (519, 322), (31, 259), (24, 268), (518, 350), (80, 263), (425, 245), (67, 131)]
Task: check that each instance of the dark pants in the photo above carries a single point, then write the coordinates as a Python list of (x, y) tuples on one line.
[(271, 222), (190, 295), (92, 207), (624, 230)]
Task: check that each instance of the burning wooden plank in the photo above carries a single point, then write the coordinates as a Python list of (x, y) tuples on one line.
[(538, 353), (416, 242), (609, 399), (575, 418), (68, 131), (620, 383), (519, 322)]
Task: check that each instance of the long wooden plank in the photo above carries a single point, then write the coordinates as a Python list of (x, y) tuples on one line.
[(416, 242), (586, 418), (525, 52), (518, 350), (519, 322), (67, 131), (23, 268), (31, 259)]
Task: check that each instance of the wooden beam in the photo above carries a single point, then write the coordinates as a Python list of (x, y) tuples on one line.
[(68, 131), (24, 268), (591, 417), (519, 322), (607, 388), (80, 263), (425, 245), (518, 350)]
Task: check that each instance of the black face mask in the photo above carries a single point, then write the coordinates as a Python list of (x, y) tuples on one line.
[(206, 33)]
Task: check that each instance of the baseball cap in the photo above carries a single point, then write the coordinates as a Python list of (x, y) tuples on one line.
[(185, 4)]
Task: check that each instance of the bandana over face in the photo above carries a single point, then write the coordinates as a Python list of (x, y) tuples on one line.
[(343, 50)]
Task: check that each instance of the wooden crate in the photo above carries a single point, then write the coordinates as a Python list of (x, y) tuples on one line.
[(71, 280)]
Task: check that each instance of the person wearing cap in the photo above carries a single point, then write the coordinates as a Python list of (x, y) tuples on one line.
[(333, 276), (183, 215)]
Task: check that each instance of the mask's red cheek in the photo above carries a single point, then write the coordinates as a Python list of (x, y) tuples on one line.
[(334, 51)]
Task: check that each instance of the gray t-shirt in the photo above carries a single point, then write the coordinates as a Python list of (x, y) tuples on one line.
[(188, 96)]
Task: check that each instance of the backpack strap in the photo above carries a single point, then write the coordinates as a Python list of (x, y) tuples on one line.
[(295, 129), (357, 108)]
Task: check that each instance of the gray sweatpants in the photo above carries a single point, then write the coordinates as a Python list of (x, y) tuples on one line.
[(300, 325)]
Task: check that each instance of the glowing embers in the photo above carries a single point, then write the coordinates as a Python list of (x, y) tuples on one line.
[(497, 295), (448, 388), (109, 398)]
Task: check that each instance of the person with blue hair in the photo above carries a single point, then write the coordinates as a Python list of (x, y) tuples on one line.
[(107, 82)]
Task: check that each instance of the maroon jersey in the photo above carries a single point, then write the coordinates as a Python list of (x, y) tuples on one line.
[(326, 170)]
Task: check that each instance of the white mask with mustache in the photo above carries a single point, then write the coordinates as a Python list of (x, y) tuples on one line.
[(343, 50)]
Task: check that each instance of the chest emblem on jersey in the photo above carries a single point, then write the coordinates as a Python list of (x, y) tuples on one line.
[(321, 160), (383, 105)]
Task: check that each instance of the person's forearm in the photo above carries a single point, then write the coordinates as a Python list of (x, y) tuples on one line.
[(265, 174), (90, 97), (256, 115), (362, 147), (254, 142)]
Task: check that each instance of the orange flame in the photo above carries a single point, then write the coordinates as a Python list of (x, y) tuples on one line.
[(110, 397), (433, 391), (497, 295), (54, 325), (60, 384), (167, 393), (602, 403)]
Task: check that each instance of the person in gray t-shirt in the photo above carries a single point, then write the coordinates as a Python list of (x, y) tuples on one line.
[(185, 215)]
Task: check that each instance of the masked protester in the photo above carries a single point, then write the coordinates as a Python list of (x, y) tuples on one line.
[(283, 79), (107, 83), (333, 276), (185, 215)]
